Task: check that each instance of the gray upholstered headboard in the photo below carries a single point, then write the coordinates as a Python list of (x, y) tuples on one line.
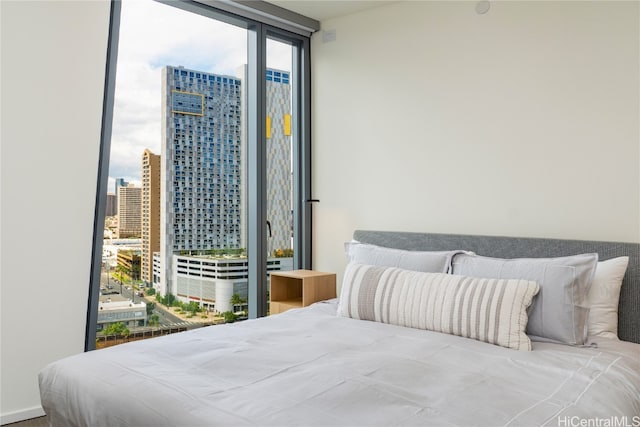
[(516, 247)]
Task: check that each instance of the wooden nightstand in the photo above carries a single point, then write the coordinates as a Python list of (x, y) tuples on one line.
[(300, 288)]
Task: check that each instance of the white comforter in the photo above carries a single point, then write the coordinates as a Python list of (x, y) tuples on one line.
[(309, 367)]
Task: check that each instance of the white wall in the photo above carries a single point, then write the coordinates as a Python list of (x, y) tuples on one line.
[(53, 63), (427, 117), (520, 122)]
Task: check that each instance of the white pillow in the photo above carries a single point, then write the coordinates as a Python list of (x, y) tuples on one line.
[(487, 310), (559, 313), (427, 261), (603, 297)]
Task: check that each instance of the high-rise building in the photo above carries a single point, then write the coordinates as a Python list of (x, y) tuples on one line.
[(129, 211), (120, 182), (200, 165), (279, 161), (112, 205), (279, 169), (150, 213)]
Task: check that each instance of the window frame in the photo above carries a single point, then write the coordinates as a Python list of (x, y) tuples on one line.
[(258, 31)]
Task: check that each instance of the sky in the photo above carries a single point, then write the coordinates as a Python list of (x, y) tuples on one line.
[(151, 36)]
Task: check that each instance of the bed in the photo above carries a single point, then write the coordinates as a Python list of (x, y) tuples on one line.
[(317, 366)]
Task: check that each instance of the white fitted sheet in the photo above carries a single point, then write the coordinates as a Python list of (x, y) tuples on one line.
[(310, 367)]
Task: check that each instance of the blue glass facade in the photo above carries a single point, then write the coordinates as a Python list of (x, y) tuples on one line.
[(277, 76)]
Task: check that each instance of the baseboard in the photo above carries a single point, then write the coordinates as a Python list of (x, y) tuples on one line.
[(25, 414)]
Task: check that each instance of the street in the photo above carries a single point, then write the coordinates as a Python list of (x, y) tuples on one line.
[(165, 317)]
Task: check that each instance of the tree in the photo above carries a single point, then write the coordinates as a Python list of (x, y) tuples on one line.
[(135, 272), (229, 317), (117, 328), (237, 302), (120, 271), (123, 271), (236, 299), (150, 307), (193, 307), (167, 300), (154, 320)]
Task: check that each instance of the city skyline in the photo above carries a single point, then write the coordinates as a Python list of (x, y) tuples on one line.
[(145, 46)]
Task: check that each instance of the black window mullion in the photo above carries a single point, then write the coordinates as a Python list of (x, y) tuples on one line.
[(305, 204), (103, 177)]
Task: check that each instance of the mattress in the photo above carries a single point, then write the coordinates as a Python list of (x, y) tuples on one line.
[(309, 367)]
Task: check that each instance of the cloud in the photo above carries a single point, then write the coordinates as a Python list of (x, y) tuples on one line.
[(151, 36)]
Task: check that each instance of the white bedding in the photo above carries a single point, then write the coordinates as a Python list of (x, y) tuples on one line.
[(310, 367)]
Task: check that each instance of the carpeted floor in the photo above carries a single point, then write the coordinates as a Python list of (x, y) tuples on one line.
[(34, 422)]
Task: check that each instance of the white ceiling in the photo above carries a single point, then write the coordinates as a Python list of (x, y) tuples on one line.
[(326, 9)]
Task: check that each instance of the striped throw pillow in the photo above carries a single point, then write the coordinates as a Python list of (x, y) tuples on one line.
[(489, 310)]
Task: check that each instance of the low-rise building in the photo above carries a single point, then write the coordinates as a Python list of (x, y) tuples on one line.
[(211, 281), (116, 308)]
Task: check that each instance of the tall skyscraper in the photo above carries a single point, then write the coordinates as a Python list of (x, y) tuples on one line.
[(112, 205), (150, 213), (279, 161), (129, 211), (279, 173), (120, 182), (203, 164), (200, 165)]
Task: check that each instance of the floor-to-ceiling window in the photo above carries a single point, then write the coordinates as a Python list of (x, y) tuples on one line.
[(204, 169)]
